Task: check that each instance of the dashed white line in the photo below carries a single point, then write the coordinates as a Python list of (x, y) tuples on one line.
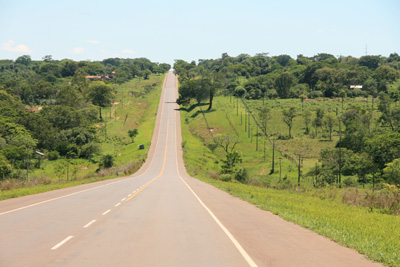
[(62, 243), (129, 195), (89, 224), (107, 211), (123, 199), (116, 205)]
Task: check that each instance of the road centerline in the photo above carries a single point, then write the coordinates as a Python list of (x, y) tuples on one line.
[(62, 242), (89, 224)]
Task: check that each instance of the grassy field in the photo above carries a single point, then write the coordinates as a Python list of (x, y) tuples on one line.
[(366, 229), (230, 116), (135, 107)]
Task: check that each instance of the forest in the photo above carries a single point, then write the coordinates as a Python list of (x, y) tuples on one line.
[(357, 138), (49, 108)]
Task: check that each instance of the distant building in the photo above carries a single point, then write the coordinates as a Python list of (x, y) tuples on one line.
[(92, 78), (356, 86)]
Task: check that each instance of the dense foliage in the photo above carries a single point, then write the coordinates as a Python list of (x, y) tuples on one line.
[(370, 138), (50, 106)]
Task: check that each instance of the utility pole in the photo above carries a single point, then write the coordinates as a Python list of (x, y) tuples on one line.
[(27, 164), (340, 155), (257, 139), (248, 120), (264, 149), (280, 168), (245, 122), (273, 156), (298, 180), (237, 106), (241, 117)]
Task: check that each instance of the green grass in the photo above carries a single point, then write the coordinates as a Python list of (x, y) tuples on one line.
[(133, 108), (372, 234), (365, 229)]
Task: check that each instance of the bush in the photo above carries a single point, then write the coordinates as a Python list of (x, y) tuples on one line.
[(107, 161), (226, 177), (241, 176), (53, 155), (88, 150), (316, 94), (350, 182)]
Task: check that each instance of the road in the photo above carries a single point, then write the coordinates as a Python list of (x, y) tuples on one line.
[(158, 217)]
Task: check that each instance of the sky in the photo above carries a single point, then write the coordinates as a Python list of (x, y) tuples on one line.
[(164, 31)]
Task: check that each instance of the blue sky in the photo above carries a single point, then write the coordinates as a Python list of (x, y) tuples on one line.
[(163, 31)]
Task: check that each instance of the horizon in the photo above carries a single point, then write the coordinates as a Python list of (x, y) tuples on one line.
[(165, 31)]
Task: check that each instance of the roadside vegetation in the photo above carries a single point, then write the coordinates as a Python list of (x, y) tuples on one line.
[(314, 140), (61, 128)]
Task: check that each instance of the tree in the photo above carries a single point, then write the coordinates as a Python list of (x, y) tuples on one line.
[(288, 116), (107, 161), (47, 58), (132, 134), (392, 172), (330, 121), (232, 158), (318, 120), (146, 74), (211, 82), (390, 113), (342, 95), (283, 83), (307, 121), (69, 96), (101, 95), (302, 97), (264, 114), (5, 167), (283, 60), (227, 142), (69, 67), (371, 62), (383, 148), (24, 60)]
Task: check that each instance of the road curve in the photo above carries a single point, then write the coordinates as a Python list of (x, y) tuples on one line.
[(158, 217)]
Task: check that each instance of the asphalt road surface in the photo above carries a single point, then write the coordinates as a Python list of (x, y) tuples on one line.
[(158, 217)]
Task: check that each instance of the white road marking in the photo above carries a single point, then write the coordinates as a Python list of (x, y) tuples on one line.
[(116, 205), (123, 199), (160, 106), (243, 252), (89, 224), (52, 199), (129, 195), (107, 211), (62, 243)]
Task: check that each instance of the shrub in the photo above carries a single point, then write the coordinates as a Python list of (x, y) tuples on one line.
[(53, 155), (88, 150), (241, 176), (107, 161), (226, 177)]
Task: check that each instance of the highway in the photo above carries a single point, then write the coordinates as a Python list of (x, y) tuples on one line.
[(157, 217)]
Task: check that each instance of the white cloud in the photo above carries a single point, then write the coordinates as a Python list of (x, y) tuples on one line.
[(10, 46), (128, 51), (92, 41), (78, 50)]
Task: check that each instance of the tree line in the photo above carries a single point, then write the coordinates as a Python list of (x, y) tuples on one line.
[(370, 137), (51, 106)]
